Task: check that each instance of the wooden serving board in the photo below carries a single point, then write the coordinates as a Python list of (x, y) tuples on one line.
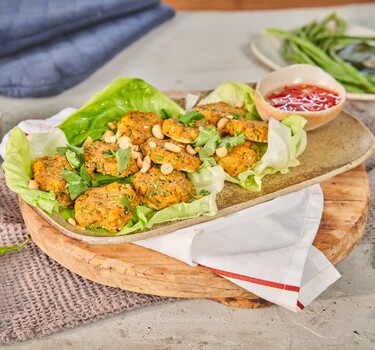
[(137, 269)]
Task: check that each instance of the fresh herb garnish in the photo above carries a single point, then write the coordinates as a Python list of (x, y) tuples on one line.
[(204, 193), (190, 118), (230, 142), (122, 156), (73, 154), (76, 184), (127, 204), (109, 154), (236, 116), (205, 134), (208, 138), (123, 159), (164, 114), (102, 180), (86, 177), (11, 248)]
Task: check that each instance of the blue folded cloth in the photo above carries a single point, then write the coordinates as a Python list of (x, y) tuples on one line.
[(25, 23), (56, 55)]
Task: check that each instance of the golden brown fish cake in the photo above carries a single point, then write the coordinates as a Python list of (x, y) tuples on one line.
[(159, 191), (254, 130), (239, 159), (103, 207), (159, 154), (47, 174), (179, 132), (138, 125), (214, 111), (99, 157)]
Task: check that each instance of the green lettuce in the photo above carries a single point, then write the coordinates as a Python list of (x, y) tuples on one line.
[(234, 93), (17, 168), (286, 141), (91, 120), (146, 218), (111, 103), (45, 144), (208, 178)]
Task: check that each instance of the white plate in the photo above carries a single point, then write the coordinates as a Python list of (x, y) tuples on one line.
[(267, 49)]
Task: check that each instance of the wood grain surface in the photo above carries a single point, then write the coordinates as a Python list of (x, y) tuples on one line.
[(138, 269), (233, 5)]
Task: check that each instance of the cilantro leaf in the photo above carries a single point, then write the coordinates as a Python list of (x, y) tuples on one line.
[(127, 204), (123, 159), (190, 118), (76, 184), (86, 177), (61, 150), (233, 141), (205, 134), (208, 138), (204, 193), (102, 180), (73, 154), (72, 159), (165, 114), (109, 154), (236, 116)]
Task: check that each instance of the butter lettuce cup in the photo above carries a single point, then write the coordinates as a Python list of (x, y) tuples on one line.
[(300, 89)]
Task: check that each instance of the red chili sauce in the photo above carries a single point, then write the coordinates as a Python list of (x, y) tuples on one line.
[(303, 98)]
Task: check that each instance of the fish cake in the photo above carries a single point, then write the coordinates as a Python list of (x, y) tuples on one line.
[(47, 174), (159, 154), (138, 125), (109, 207), (179, 132), (238, 159), (213, 112), (159, 191), (99, 157), (254, 130)]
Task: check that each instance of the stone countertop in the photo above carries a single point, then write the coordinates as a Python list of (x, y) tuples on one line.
[(199, 50)]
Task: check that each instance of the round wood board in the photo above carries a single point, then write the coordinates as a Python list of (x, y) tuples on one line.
[(137, 269)]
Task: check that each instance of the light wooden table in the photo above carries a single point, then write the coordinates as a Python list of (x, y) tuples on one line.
[(233, 5)]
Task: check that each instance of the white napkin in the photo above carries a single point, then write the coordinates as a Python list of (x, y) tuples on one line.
[(266, 249)]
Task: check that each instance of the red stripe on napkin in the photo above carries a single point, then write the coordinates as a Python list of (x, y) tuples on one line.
[(254, 280), (300, 305)]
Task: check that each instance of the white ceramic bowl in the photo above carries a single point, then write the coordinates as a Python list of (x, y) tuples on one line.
[(294, 75)]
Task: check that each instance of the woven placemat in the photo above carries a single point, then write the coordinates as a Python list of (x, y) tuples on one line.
[(40, 297)]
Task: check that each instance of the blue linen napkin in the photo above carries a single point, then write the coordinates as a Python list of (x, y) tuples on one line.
[(25, 23), (46, 68)]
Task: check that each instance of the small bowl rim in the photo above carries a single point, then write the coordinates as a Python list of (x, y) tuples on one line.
[(294, 75)]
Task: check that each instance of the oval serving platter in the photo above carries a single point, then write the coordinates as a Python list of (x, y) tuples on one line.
[(332, 149)]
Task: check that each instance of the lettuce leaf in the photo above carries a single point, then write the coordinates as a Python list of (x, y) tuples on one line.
[(286, 141), (146, 218), (234, 93), (208, 178), (111, 103), (45, 144), (17, 168)]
